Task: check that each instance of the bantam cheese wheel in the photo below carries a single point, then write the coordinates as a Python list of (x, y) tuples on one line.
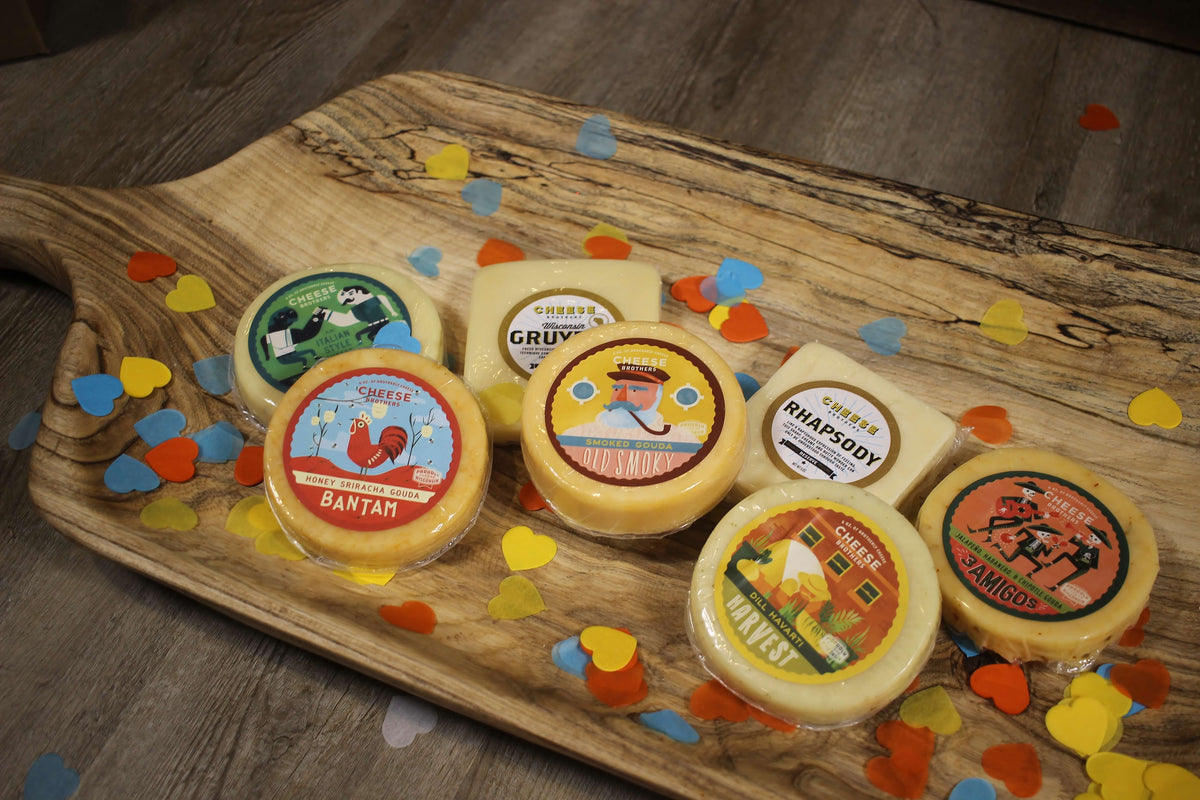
[(1039, 558), (815, 601), (319, 312), (633, 429), (376, 459)]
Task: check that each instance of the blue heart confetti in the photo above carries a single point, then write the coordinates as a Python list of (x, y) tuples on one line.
[(96, 393), (218, 443), (127, 474), (884, 335), (669, 723), (425, 260), (483, 195), (595, 139), (973, 789), (213, 375), (397, 336), (968, 647), (24, 433), (748, 383), (50, 779), (164, 424), (570, 657), (734, 277)]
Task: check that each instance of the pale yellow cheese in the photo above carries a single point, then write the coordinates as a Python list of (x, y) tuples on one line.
[(1039, 558), (824, 415), (623, 472), (304, 317), (521, 310), (815, 601), (376, 459)]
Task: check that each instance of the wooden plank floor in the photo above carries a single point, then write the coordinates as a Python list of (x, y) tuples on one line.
[(149, 694)]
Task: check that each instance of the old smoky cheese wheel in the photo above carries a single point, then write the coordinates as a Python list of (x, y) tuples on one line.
[(815, 601), (319, 312), (376, 459), (1039, 558), (633, 429)]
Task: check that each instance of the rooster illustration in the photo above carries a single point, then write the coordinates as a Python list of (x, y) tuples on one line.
[(367, 454)]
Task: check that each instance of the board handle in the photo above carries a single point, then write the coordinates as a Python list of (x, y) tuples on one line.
[(36, 228)]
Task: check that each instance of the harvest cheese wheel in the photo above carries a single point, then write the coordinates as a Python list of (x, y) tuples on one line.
[(633, 429), (1039, 558), (522, 310), (319, 312), (815, 601), (824, 415), (376, 459)]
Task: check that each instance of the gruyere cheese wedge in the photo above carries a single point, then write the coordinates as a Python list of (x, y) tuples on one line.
[(824, 415), (814, 601), (522, 310), (319, 312), (633, 429), (376, 459), (1039, 558)]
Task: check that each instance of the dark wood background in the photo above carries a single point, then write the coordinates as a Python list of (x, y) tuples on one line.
[(149, 694)]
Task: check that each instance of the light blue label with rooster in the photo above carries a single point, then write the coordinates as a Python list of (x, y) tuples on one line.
[(371, 449)]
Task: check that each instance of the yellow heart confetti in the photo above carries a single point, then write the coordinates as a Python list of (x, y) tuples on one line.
[(1003, 322), (524, 549), (1155, 407), (276, 543), (1094, 685), (718, 316), (502, 402), (365, 577), (518, 598), (168, 512), (450, 164), (262, 518), (1081, 724), (141, 376), (931, 708), (1119, 776), (611, 649), (1171, 782), (247, 517), (192, 293)]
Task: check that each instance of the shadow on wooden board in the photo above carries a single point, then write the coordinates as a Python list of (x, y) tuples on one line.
[(1171, 22)]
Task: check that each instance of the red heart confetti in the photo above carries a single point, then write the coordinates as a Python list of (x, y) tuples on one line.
[(770, 721), (174, 459), (712, 700), (1097, 117), (988, 424), (1017, 764), (1004, 684), (1136, 634), (498, 251), (248, 470), (745, 324), (687, 290), (144, 266), (1148, 682), (529, 498), (411, 615), (607, 247), (791, 351), (906, 771)]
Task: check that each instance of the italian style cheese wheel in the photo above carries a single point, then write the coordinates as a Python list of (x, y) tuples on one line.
[(319, 312), (815, 601), (1039, 558), (522, 310), (633, 429), (824, 415), (376, 459)]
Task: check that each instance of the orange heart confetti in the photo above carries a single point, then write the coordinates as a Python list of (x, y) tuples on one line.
[(771, 721), (450, 164), (191, 293), (988, 424), (607, 247), (174, 459), (144, 266), (524, 549), (1097, 117), (248, 469), (1155, 407), (1017, 765), (1136, 633), (744, 324), (791, 351), (1148, 682), (712, 700), (1003, 684), (498, 251), (687, 290), (411, 615), (906, 771), (617, 689), (529, 498)]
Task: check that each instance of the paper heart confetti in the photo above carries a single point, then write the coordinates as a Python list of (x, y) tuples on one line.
[(248, 469), (49, 778), (213, 375), (973, 789), (735, 277), (1136, 633), (711, 700), (772, 722), (988, 424), (748, 383), (687, 290), (484, 195), (570, 657), (1097, 117), (502, 402), (127, 474), (1017, 764), (607, 247), (411, 615), (618, 689), (1104, 670), (1148, 682), (905, 772), (1155, 407), (1081, 724), (169, 512), (407, 718), (1119, 776), (595, 139), (1004, 322), (145, 266), (141, 376), (964, 643), (523, 549), (218, 443), (1098, 687), (1170, 782), (366, 577), (611, 649), (96, 394), (529, 498), (1004, 684), (276, 543), (262, 517), (397, 335), (450, 164), (931, 708), (191, 293), (24, 433), (518, 598), (498, 251), (884, 335), (174, 459), (744, 323), (425, 260), (241, 521), (670, 724)]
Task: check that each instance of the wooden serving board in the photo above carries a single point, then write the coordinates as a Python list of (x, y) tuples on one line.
[(1108, 318)]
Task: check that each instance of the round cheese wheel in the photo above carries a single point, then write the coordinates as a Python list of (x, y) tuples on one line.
[(633, 429), (815, 601), (376, 459), (319, 312), (1039, 558)]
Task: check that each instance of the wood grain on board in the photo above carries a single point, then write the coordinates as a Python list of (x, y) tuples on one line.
[(1108, 317)]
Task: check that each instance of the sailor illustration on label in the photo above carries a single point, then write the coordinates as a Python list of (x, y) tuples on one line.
[(632, 410)]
